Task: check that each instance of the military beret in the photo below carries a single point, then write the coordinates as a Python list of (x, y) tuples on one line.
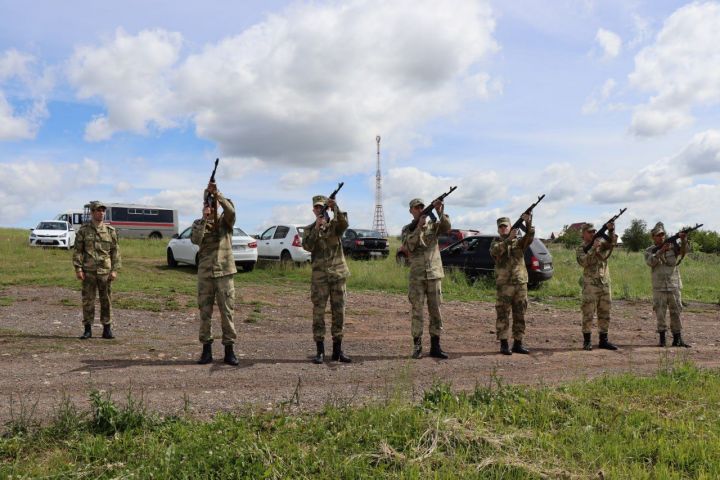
[(416, 201), (658, 228), (319, 200), (503, 221), (588, 227), (94, 205)]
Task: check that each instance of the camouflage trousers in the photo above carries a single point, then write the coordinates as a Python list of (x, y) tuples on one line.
[(321, 289), (222, 291), (99, 285), (596, 298), (511, 297), (664, 301), (419, 291)]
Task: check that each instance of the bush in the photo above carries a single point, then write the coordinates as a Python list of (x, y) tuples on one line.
[(636, 237), (570, 238)]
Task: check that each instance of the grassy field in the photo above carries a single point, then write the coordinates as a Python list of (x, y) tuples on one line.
[(146, 282), (665, 426)]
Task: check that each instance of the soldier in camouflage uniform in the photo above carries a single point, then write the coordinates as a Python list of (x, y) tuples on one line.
[(426, 274), (96, 261), (666, 283), (329, 274), (511, 279), (596, 294), (215, 271)]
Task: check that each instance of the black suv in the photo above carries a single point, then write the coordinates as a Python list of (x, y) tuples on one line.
[(472, 256), (366, 244)]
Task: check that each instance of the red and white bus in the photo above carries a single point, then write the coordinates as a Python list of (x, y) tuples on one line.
[(140, 221)]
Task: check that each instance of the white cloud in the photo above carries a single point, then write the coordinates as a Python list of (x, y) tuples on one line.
[(131, 75), (17, 67), (24, 185), (702, 154), (188, 202), (475, 189), (681, 70), (610, 42), (293, 180), (593, 103), (303, 87)]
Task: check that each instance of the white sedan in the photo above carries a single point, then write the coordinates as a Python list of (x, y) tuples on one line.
[(181, 250), (52, 233)]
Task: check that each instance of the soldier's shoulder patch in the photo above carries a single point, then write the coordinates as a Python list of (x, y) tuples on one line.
[(110, 227)]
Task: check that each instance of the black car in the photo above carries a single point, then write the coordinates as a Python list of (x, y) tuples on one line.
[(359, 243), (472, 256)]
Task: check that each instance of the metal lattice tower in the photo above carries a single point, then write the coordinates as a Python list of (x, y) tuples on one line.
[(379, 216)]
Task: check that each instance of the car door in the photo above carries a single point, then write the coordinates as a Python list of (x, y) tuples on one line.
[(280, 241), (265, 243), (183, 249), (479, 261)]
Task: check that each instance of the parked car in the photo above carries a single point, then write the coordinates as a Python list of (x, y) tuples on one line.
[(181, 250), (360, 243), (444, 240), (283, 243), (472, 256), (52, 233)]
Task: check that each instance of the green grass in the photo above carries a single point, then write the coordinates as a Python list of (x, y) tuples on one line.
[(146, 282), (625, 426)]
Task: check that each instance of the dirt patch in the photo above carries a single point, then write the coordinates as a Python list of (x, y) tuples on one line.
[(154, 353)]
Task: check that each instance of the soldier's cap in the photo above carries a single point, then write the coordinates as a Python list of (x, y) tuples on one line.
[(588, 227), (503, 221), (96, 205), (658, 228), (319, 200), (416, 201)]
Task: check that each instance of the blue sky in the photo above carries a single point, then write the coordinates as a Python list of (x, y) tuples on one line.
[(598, 104)]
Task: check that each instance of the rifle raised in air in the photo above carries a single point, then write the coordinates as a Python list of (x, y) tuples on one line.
[(601, 233), (210, 198), (520, 223), (324, 212), (673, 239), (427, 211)]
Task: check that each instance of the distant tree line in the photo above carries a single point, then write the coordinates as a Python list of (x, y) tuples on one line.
[(637, 237)]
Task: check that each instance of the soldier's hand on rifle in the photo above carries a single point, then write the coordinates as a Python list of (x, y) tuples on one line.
[(212, 188), (527, 218), (439, 206), (422, 221), (331, 204), (206, 212), (513, 233), (682, 235), (80, 275), (665, 247), (320, 221), (597, 243), (611, 226)]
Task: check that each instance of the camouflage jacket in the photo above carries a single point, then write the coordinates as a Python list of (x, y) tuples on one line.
[(509, 256), (215, 258), (325, 245), (422, 244), (96, 249), (595, 263), (663, 265)]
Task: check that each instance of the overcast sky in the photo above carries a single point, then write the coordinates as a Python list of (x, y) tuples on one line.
[(597, 104)]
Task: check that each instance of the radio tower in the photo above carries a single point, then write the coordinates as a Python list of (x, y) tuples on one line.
[(379, 217)]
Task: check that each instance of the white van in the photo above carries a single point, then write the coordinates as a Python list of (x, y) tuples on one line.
[(74, 218)]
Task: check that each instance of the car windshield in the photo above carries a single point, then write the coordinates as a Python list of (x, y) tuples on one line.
[(51, 226), (237, 232), (368, 234)]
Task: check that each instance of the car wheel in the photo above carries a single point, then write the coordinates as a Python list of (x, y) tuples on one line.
[(285, 258), (401, 259), (171, 258), (155, 236), (248, 267), (533, 285)]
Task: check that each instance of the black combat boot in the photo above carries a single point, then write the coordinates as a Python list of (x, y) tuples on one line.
[(435, 350), (587, 345), (662, 342), (338, 355), (678, 341), (320, 356), (604, 343), (87, 333), (107, 332), (206, 356), (230, 357), (417, 347), (505, 347), (518, 347)]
